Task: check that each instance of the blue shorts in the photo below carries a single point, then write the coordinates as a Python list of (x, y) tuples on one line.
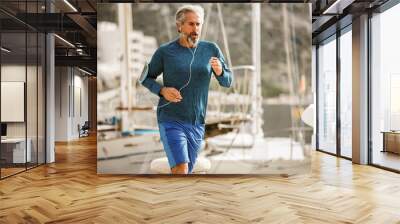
[(182, 142)]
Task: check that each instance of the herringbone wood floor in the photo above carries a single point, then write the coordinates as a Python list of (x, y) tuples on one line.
[(70, 191)]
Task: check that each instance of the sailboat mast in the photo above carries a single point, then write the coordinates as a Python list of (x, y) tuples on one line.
[(256, 106), (125, 26)]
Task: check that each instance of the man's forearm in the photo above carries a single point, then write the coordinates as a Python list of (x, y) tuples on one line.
[(152, 85)]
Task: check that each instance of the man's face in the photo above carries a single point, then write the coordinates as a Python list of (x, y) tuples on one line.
[(191, 28)]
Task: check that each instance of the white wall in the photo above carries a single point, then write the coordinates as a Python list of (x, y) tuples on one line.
[(14, 73), (71, 87), (33, 126), (80, 94), (62, 81)]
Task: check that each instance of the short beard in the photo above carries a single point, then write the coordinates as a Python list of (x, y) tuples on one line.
[(190, 40)]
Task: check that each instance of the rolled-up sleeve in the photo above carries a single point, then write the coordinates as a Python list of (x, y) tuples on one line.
[(226, 78), (155, 69)]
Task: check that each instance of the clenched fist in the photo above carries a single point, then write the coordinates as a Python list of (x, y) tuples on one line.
[(216, 65), (171, 94)]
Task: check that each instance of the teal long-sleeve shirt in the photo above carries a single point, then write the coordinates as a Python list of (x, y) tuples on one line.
[(173, 61)]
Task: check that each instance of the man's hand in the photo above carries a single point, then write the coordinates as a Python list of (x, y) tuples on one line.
[(171, 94), (216, 65)]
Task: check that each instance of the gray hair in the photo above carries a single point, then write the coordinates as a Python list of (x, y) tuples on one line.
[(180, 13)]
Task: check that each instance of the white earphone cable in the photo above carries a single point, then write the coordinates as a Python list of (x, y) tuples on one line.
[(190, 75)]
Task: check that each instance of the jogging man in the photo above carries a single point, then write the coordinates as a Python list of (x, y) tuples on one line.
[(187, 65)]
